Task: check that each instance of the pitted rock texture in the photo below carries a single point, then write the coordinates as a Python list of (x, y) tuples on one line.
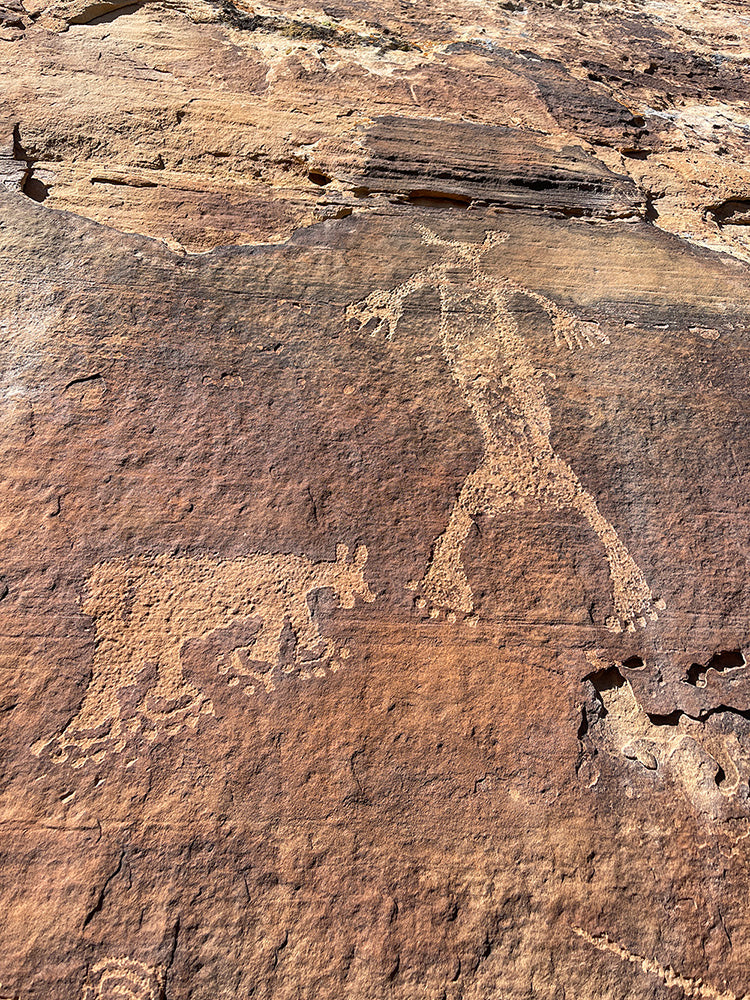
[(373, 501)]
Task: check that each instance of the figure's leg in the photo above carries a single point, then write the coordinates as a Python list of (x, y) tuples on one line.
[(307, 633), (445, 584), (633, 601), (267, 645)]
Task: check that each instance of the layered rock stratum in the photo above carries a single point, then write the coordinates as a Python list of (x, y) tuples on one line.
[(374, 500)]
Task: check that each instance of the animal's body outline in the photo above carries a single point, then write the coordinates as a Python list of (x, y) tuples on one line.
[(487, 357), (146, 607)]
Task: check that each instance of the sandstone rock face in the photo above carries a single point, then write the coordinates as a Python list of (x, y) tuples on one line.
[(374, 500)]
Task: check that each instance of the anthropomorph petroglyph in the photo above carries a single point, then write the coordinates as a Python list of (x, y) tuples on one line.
[(123, 979), (492, 366), (146, 608)]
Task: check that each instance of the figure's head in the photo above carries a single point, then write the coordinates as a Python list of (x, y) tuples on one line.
[(348, 579), (470, 252)]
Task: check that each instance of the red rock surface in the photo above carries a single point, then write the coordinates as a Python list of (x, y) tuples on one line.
[(374, 501)]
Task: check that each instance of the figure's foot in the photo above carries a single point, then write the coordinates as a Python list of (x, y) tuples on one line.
[(444, 593), (382, 306), (630, 617), (445, 586), (439, 613)]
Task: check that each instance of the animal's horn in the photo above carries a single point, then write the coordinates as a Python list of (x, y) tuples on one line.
[(342, 553)]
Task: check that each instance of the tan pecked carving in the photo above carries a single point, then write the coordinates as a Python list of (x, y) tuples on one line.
[(123, 979), (694, 988), (492, 366), (145, 608)]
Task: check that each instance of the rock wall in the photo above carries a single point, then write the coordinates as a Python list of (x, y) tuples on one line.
[(374, 500)]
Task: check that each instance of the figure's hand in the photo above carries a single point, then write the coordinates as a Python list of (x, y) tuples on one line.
[(566, 328), (574, 332), (379, 305)]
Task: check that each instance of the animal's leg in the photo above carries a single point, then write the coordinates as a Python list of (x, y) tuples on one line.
[(240, 669), (633, 601), (267, 645), (86, 734), (307, 633), (264, 648), (174, 697)]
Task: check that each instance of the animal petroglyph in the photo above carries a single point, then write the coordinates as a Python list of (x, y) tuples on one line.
[(123, 979), (492, 366), (146, 608), (705, 756)]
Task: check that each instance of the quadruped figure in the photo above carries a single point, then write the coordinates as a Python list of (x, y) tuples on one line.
[(491, 364), (146, 608)]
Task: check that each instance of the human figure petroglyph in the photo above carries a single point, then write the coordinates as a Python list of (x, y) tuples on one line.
[(492, 366), (123, 979), (145, 609)]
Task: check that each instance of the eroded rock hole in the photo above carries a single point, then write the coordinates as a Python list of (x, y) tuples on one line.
[(733, 211), (672, 719), (438, 199), (607, 680), (36, 189), (597, 685), (317, 177), (633, 663), (725, 659)]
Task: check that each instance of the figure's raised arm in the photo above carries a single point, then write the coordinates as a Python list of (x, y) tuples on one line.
[(387, 305), (566, 327)]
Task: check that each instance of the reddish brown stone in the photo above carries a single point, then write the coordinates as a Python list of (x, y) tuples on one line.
[(373, 579)]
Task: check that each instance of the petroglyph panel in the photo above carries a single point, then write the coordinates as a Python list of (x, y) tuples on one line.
[(492, 365), (145, 608)]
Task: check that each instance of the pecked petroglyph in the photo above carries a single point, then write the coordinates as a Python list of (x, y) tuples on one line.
[(123, 979), (706, 757), (696, 988), (492, 366), (146, 608)]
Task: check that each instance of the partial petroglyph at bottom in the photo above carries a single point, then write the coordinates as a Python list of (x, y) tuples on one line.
[(696, 988), (707, 757), (146, 608), (123, 979), (492, 365)]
